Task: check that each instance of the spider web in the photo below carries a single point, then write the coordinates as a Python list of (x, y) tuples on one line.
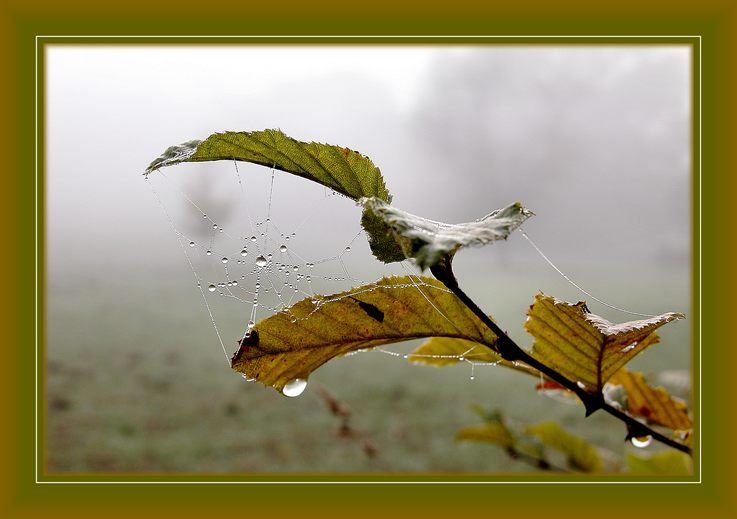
[(255, 241)]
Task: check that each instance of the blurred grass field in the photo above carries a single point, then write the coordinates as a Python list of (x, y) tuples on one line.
[(136, 382)]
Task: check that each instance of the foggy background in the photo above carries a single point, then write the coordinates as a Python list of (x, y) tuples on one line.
[(594, 140)]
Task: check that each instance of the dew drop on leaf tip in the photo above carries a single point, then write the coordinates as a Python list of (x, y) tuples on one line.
[(294, 387)]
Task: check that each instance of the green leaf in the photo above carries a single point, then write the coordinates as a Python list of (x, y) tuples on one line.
[(581, 454), (395, 234), (584, 347), (495, 433), (670, 463), (445, 351), (344, 170), (292, 344), (654, 404)]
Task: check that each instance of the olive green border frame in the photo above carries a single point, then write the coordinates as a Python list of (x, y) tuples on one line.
[(714, 22)]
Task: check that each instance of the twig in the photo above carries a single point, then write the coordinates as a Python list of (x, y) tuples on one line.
[(511, 351), (345, 430)]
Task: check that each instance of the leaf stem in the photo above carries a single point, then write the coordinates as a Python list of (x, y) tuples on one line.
[(511, 351)]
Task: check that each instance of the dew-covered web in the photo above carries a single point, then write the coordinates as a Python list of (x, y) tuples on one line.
[(257, 241)]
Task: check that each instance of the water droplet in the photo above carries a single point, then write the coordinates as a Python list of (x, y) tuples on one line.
[(253, 238), (461, 359), (472, 377), (294, 387), (204, 215), (191, 244), (209, 253), (286, 237), (214, 226), (258, 285), (211, 288), (261, 261), (348, 249), (244, 252), (221, 229), (629, 347), (268, 219), (269, 256), (235, 283), (199, 284), (286, 273), (295, 268), (283, 248), (251, 325), (224, 260), (230, 284), (641, 441)]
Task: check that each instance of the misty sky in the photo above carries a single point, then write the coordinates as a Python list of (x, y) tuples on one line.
[(594, 140)]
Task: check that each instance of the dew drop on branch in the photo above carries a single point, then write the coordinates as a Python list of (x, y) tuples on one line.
[(641, 441)]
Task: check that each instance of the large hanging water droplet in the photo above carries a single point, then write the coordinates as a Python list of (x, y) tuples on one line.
[(224, 260), (294, 387), (244, 252), (283, 248), (211, 288), (261, 261), (641, 441)]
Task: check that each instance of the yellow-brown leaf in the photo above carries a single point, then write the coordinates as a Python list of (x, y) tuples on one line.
[(290, 345), (584, 347)]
